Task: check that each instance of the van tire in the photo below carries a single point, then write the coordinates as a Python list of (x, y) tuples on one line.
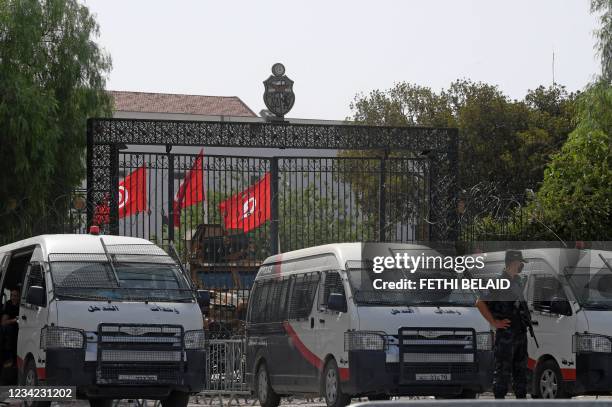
[(30, 378), (548, 383), (265, 393), (332, 391), (176, 399), (101, 403)]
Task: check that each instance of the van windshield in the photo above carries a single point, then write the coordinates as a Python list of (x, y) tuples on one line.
[(592, 286), (128, 281), (362, 282)]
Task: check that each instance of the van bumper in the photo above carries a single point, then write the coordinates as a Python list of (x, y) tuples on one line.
[(593, 373), (369, 374), (67, 367)]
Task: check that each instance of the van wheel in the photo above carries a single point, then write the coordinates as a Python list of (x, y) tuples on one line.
[(331, 386), (549, 382), (265, 393), (176, 399), (101, 403), (30, 378)]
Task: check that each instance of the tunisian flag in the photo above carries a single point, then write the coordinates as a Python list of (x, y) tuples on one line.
[(248, 209), (132, 197), (191, 190), (133, 193)]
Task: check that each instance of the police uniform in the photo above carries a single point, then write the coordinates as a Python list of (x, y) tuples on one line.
[(510, 348)]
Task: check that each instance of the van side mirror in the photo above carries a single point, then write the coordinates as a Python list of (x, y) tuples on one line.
[(36, 296), (336, 302), (203, 298), (560, 306)]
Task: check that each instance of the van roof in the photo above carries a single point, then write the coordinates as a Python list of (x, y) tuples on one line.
[(72, 243), (343, 251)]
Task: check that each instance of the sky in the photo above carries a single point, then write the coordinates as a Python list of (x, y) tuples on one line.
[(335, 49)]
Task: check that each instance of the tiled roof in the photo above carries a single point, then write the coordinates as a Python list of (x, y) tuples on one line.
[(184, 104)]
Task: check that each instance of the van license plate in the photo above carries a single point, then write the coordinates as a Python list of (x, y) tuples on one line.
[(433, 376)]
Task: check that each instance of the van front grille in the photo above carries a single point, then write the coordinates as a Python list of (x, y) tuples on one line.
[(140, 354), (426, 353)]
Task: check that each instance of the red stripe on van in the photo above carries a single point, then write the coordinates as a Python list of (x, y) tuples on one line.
[(309, 356), (306, 353), (568, 374), (531, 364)]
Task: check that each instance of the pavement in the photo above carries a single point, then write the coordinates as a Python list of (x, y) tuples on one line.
[(200, 402)]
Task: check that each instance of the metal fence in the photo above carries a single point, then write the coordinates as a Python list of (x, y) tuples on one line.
[(225, 367), (64, 214)]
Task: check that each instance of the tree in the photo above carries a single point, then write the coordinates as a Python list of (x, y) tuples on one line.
[(604, 36), (504, 143), (52, 78), (576, 196)]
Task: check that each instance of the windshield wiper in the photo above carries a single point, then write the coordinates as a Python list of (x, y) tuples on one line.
[(78, 297), (110, 260)]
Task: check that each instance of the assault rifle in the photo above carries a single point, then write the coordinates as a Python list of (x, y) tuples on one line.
[(526, 316)]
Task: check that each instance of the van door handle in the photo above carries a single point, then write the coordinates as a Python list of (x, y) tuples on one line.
[(311, 322), (24, 317), (534, 323), (321, 321)]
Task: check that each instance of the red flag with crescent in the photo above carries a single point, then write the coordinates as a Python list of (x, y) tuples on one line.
[(133, 193), (131, 198), (248, 209), (191, 190)]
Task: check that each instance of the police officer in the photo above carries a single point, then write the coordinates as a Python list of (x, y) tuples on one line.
[(504, 310)]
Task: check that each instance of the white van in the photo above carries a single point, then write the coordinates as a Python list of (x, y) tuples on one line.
[(116, 317), (569, 295), (315, 325)]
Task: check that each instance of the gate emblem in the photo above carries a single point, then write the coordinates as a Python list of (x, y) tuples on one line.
[(278, 94)]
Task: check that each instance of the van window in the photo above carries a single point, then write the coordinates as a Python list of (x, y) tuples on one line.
[(332, 284), (258, 301), (545, 288), (592, 286), (269, 300), (126, 281), (35, 278), (302, 295)]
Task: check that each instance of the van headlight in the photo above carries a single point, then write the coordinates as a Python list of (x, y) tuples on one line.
[(57, 337), (195, 339), (364, 340), (587, 343), (484, 340)]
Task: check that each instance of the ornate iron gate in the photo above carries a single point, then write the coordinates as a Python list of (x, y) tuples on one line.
[(318, 199), (400, 187)]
